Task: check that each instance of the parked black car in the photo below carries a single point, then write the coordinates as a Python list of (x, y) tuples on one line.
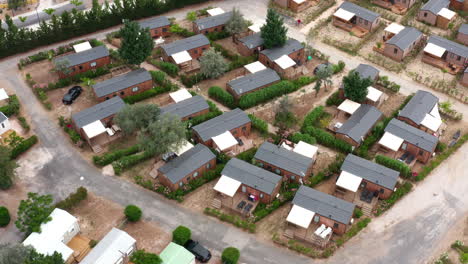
[(72, 94), (201, 253), (326, 64)]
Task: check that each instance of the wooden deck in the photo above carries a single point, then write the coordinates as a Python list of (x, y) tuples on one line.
[(307, 235), (355, 198), (232, 203), (441, 64), (80, 246)]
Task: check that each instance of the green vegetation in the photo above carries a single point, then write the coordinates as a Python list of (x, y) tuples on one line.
[(7, 168), (4, 216), (133, 213), (328, 140), (109, 157), (23, 146), (259, 124), (353, 231), (13, 106), (230, 255), (233, 219), (34, 211), (137, 43), (170, 68), (73, 199), (312, 117), (397, 195), (222, 96), (213, 64), (355, 87), (181, 235), (143, 257), (274, 33), (393, 164)]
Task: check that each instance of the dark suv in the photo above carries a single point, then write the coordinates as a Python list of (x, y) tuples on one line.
[(201, 253), (72, 94)]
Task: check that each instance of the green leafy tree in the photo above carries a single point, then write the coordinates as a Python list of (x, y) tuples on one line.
[(7, 168), (191, 16), (324, 74), (133, 213), (142, 257), (236, 24), (133, 118), (355, 87), (230, 255), (22, 19), (137, 43), (34, 211), (37, 258), (62, 66), (14, 253), (274, 33), (4, 216), (212, 64), (14, 4), (317, 86), (181, 235), (284, 118), (76, 2)]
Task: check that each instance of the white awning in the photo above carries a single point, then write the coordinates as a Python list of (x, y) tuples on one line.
[(180, 95), (255, 67), (434, 50), (159, 41), (215, 11), (299, 1), (394, 28), (373, 94), (284, 145), (343, 14), (227, 186), (349, 181), (256, 27), (435, 111), (300, 216), (349, 106), (225, 140), (431, 122), (3, 94), (82, 47), (183, 148), (181, 57), (94, 129), (305, 149), (391, 141), (447, 13), (285, 62)]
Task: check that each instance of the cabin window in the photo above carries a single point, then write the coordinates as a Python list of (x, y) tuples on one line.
[(261, 195), (164, 30), (135, 89), (395, 51), (223, 27), (203, 49), (403, 146), (195, 174), (81, 67), (336, 225), (122, 93), (425, 14), (208, 165), (382, 190), (277, 171), (244, 189), (206, 32), (181, 184), (216, 29), (292, 177), (244, 129), (188, 178), (268, 63), (3, 125), (458, 58), (366, 22), (93, 64), (107, 97), (421, 152), (195, 51)]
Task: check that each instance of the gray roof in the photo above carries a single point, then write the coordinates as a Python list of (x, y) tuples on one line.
[(176, 169), (220, 124), (463, 29), (449, 45), (98, 112), (186, 107), (283, 158), (155, 22), (324, 204), (110, 247), (213, 21), (253, 81), (3, 117), (367, 71), (360, 11), (185, 44), (252, 41), (291, 46), (434, 6), (251, 175), (421, 104), (84, 56), (412, 135), (121, 82), (405, 38), (360, 123), (370, 171)]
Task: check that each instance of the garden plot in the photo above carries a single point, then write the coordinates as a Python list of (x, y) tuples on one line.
[(42, 72), (428, 74), (228, 44)]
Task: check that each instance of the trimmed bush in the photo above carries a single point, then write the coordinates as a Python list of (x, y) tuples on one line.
[(337, 68), (247, 155), (23, 146), (328, 140), (73, 199), (13, 106), (296, 137), (181, 235), (313, 116), (393, 164), (109, 157), (259, 124), (358, 213), (129, 161), (170, 68), (334, 99), (4, 216), (230, 255), (145, 95), (266, 94), (190, 80), (222, 96), (213, 36), (133, 213), (24, 124)]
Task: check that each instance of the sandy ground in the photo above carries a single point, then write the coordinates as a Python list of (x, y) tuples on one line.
[(394, 100), (41, 72), (11, 199), (338, 34)]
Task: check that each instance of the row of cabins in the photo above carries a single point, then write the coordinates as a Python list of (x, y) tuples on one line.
[(296, 5)]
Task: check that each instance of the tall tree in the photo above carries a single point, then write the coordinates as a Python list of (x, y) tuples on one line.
[(213, 64), (34, 211), (7, 168), (133, 118), (324, 74), (284, 118), (355, 87), (137, 43), (142, 257), (14, 253), (274, 32), (37, 258), (236, 24)]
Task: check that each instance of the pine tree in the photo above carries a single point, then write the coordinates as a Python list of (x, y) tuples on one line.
[(137, 43), (274, 31)]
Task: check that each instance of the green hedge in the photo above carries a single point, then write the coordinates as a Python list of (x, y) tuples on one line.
[(24, 123), (133, 213), (145, 95), (4, 216), (296, 137), (394, 164), (77, 78), (181, 235), (334, 99), (170, 68), (128, 161), (230, 255), (233, 219), (397, 195), (73, 199), (266, 94), (325, 174), (222, 96), (328, 140), (353, 231), (247, 155), (13, 106), (259, 124), (213, 36), (23, 146), (312, 117), (190, 80), (109, 157)]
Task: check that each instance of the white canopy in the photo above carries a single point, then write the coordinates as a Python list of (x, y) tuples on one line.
[(183, 148), (181, 57), (435, 111), (215, 11), (299, 1), (300, 216), (349, 181), (256, 27), (434, 50), (159, 41), (447, 13), (180, 95), (373, 94), (225, 140), (305, 149), (255, 67), (94, 129), (394, 28), (431, 122), (285, 62), (391, 141), (82, 47), (3, 94), (343, 14), (284, 145), (227, 186), (349, 106)]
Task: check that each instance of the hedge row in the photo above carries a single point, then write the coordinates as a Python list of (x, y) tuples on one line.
[(264, 210), (222, 96), (266, 94), (77, 78), (146, 94), (190, 80), (259, 124), (396, 195), (247, 155), (328, 140), (296, 137), (170, 68), (233, 219), (128, 161), (73, 199), (394, 164), (23, 146), (312, 117), (13, 106), (112, 156), (334, 99)]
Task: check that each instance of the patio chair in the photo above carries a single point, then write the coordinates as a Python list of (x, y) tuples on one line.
[(241, 205), (320, 230), (364, 195), (248, 207), (325, 233)]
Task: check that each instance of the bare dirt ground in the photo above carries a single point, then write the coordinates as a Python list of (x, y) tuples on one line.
[(452, 128), (274, 223), (392, 103), (337, 34), (201, 198), (324, 158), (428, 72), (433, 30), (11, 199), (149, 236), (85, 100), (41, 71), (327, 186), (228, 44)]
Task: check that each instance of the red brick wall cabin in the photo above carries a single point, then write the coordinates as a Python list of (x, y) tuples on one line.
[(428, 17), (195, 53), (144, 86), (462, 38), (160, 32), (377, 188), (457, 5), (201, 171), (205, 31), (84, 67), (245, 51), (236, 132), (297, 56), (341, 229), (420, 154), (286, 174), (206, 111), (464, 79), (267, 198), (395, 53), (347, 139)]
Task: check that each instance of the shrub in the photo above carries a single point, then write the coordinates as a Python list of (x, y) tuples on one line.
[(133, 213), (259, 124), (190, 80), (213, 36), (247, 155), (145, 95), (92, 243), (181, 235), (266, 94), (109, 157), (24, 124), (328, 140), (334, 99), (170, 68), (23, 146), (143, 257), (73, 199), (312, 117), (222, 96), (230, 255), (357, 213), (296, 137), (12, 108), (129, 161), (337, 68), (177, 29), (158, 77), (393, 164), (4, 216)]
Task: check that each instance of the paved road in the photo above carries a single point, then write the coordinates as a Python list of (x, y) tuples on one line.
[(406, 234)]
